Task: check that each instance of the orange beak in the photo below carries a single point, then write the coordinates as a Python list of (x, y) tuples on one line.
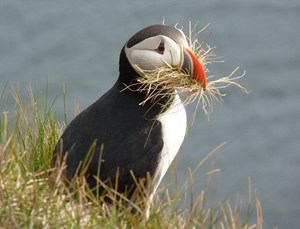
[(192, 65)]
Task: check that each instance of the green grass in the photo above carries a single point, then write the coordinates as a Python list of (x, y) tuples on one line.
[(30, 199)]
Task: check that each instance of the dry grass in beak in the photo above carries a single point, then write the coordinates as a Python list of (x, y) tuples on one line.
[(162, 81)]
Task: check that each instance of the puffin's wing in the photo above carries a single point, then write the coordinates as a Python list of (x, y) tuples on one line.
[(133, 156), (126, 142)]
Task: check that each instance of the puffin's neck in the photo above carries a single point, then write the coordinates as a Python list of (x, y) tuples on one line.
[(152, 108), (127, 74)]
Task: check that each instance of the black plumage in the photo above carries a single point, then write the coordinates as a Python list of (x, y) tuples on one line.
[(123, 121)]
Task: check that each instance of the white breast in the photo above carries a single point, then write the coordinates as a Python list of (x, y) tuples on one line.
[(173, 131)]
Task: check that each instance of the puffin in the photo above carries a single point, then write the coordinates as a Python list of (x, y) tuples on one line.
[(120, 142)]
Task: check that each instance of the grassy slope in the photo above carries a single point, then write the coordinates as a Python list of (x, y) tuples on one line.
[(28, 134)]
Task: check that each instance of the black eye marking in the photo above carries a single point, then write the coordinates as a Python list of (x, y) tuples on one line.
[(161, 48)]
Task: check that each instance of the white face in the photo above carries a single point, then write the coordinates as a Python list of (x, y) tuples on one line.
[(155, 52)]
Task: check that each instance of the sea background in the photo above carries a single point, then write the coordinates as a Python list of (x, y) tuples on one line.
[(77, 44)]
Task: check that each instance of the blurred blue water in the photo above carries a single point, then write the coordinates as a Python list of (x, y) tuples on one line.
[(78, 42)]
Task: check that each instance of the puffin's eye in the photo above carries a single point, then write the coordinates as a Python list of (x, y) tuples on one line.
[(161, 48)]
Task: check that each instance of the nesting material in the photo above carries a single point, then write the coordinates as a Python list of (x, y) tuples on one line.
[(162, 81)]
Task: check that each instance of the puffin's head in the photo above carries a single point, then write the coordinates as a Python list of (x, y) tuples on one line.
[(158, 45)]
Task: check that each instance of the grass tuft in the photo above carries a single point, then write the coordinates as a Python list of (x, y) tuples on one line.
[(29, 198)]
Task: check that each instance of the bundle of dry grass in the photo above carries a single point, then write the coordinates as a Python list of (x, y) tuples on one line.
[(163, 80)]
